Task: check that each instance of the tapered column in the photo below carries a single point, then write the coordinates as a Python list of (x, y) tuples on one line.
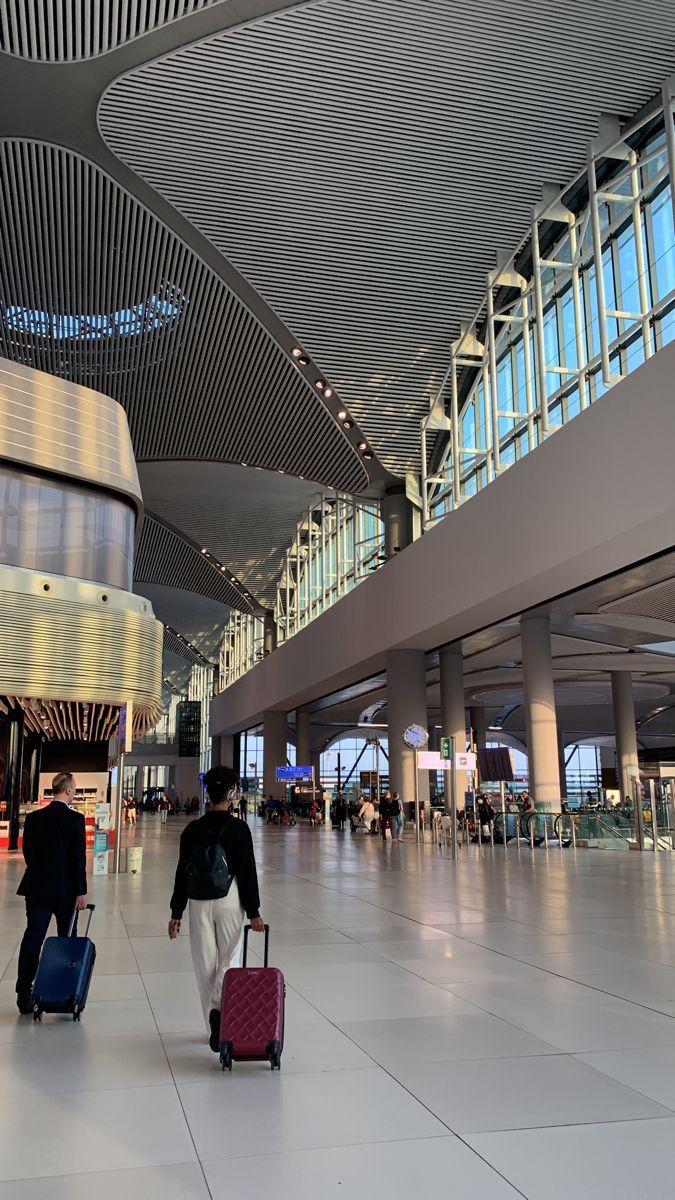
[(406, 705), (223, 751), (397, 515), (302, 737), (275, 733), (453, 716), (270, 633), (540, 716), (11, 791), (624, 732)]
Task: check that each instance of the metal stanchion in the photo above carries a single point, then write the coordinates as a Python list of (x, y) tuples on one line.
[(574, 833), (119, 798), (545, 831), (504, 820), (560, 831), (531, 828), (453, 799)]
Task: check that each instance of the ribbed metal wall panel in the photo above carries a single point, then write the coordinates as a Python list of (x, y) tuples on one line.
[(67, 30), (95, 289), (164, 557), (362, 162)]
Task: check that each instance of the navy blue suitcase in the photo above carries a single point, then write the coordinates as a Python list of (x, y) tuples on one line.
[(64, 973)]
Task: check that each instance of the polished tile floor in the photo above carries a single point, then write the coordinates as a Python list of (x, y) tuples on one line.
[(499, 1028)]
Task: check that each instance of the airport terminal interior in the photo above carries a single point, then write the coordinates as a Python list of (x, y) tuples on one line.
[(337, 432)]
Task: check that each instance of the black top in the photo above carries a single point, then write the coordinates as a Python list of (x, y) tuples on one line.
[(235, 838), (55, 851)]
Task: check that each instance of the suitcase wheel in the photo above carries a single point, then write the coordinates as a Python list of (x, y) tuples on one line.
[(226, 1056), (275, 1056), (37, 1012)]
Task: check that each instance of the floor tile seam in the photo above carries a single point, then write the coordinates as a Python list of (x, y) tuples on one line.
[(188, 1162), (603, 992), (643, 1095), (173, 1078), (590, 1124)]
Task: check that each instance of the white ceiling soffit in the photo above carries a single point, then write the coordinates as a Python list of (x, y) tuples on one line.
[(246, 518), (96, 289), (362, 161), (199, 618), (66, 30), (165, 557)]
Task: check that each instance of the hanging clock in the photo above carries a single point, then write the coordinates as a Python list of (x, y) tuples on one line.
[(415, 737)]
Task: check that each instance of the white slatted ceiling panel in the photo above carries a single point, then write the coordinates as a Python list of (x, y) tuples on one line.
[(67, 30), (246, 518), (174, 644), (362, 161), (164, 557), (94, 288)]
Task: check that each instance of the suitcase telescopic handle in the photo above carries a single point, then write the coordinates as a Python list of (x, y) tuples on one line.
[(267, 944), (73, 919)]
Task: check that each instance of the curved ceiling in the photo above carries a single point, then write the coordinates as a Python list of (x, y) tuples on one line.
[(67, 30), (363, 162), (245, 518), (94, 288)]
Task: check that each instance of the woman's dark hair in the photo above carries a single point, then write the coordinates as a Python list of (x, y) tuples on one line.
[(219, 781)]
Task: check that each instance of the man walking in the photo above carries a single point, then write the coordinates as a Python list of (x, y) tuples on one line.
[(55, 880), (216, 871)]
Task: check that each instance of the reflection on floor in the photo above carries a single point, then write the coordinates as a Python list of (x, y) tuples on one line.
[(497, 1029)]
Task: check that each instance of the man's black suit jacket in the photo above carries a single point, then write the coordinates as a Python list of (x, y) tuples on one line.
[(54, 847)]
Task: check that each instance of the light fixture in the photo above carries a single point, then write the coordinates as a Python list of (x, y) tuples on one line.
[(281, 471), (319, 385), (328, 392), (368, 454), (222, 568), (296, 352), (204, 550), (348, 424), (303, 361), (363, 445), (342, 415), (244, 464)]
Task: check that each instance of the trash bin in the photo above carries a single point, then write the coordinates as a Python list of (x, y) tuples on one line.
[(134, 859)]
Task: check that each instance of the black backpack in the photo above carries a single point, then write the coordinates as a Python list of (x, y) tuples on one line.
[(208, 875)]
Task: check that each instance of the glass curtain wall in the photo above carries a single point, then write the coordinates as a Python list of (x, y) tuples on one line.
[(555, 332)]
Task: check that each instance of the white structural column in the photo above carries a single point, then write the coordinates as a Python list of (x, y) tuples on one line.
[(453, 716), (275, 732), (406, 705), (624, 731), (302, 737), (540, 716)]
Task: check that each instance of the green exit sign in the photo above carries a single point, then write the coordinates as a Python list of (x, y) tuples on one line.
[(445, 748)]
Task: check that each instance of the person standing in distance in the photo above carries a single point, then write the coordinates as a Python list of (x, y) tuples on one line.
[(216, 872), (55, 879)]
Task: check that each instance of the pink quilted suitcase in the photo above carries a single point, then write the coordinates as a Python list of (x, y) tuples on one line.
[(252, 1012)]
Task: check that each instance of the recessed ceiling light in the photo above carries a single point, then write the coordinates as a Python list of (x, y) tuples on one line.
[(368, 454), (296, 352), (303, 360), (204, 550), (328, 392), (342, 415), (244, 464), (348, 424), (223, 568), (363, 445), (319, 385), (281, 471)]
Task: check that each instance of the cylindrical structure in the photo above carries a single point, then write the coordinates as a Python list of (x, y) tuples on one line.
[(406, 705), (275, 732), (540, 715), (270, 633), (397, 515), (624, 732), (302, 738), (453, 718), (11, 788)]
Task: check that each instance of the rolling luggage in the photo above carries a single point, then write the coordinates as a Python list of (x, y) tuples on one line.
[(64, 973), (252, 1012)]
